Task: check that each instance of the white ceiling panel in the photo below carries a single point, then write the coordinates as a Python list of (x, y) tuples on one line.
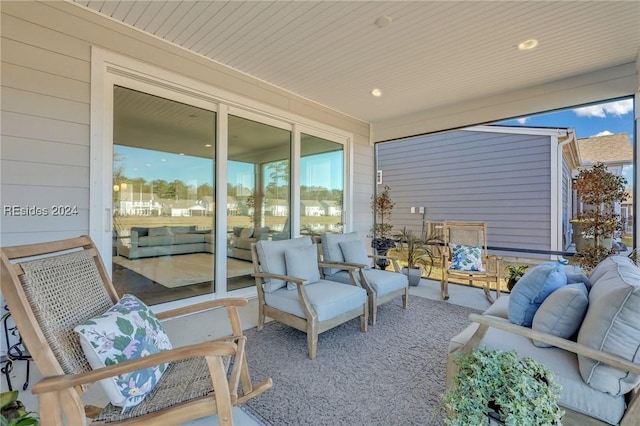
[(433, 53)]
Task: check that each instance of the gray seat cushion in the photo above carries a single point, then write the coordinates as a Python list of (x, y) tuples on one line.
[(383, 282), (328, 298)]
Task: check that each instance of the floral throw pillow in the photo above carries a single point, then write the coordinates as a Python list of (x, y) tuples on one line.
[(466, 258), (128, 330)]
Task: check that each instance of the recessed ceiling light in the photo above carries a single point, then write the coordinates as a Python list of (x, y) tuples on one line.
[(376, 92), (528, 44), (208, 145), (383, 21)]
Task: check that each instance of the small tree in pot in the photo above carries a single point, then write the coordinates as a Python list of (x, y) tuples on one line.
[(600, 190), (418, 253), (382, 206)]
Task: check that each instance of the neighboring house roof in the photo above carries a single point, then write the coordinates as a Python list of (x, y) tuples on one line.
[(614, 148)]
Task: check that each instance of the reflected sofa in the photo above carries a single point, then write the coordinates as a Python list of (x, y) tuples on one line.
[(242, 238), (165, 240)]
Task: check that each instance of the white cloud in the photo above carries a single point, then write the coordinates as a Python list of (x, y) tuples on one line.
[(522, 120), (602, 133), (617, 108)]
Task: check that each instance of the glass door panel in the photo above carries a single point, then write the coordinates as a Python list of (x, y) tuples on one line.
[(257, 192), (321, 185), (163, 197)]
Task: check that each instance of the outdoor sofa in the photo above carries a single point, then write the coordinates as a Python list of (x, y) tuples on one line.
[(598, 366), (165, 240)]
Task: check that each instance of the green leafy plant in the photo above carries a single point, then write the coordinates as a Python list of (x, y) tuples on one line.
[(416, 251), (519, 391), (514, 273), (13, 413), (599, 190)]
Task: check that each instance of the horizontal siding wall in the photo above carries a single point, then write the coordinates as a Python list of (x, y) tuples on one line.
[(497, 178), (45, 132), (46, 75)]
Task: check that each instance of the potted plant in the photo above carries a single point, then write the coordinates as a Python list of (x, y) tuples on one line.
[(514, 273), (497, 385), (13, 413), (382, 206), (595, 226), (417, 253)]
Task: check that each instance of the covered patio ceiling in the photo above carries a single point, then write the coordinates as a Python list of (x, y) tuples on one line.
[(420, 54)]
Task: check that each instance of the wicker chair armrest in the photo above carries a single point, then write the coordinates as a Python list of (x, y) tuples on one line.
[(568, 345), (205, 349), (204, 306)]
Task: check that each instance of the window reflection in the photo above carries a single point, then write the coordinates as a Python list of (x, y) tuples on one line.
[(321, 185)]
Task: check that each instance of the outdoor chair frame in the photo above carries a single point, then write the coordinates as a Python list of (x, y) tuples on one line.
[(310, 323), (72, 270), (472, 234)]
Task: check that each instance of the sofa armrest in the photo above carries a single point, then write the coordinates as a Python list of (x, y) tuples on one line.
[(568, 345), (133, 238)]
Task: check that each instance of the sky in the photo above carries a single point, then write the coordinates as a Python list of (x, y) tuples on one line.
[(322, 169), (594, 120)]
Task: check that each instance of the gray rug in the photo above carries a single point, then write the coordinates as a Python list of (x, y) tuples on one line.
[(393, 374)]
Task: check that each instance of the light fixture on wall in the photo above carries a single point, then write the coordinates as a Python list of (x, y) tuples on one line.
[(376, 92)]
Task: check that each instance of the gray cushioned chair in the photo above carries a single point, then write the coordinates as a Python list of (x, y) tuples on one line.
[(381, 285), (290, 290)]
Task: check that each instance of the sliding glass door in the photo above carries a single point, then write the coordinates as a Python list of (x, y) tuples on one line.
[(163, 197)]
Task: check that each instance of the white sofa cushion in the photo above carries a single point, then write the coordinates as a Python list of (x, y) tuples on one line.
[(612, 324), (562, 312)]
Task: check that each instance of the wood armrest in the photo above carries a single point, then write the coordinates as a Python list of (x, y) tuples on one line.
[(201, 307), (58, 383), (289, 278), (348, 266), (569, 345)]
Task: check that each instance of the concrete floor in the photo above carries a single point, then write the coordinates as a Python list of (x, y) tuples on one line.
[(214, 323)]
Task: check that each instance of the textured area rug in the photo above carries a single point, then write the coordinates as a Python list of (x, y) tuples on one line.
[(393, 374), (183, 269)]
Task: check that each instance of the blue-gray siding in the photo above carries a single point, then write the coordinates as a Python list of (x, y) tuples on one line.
[(501, 179)]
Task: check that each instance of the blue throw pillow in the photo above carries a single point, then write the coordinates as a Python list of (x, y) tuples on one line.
[(531, 290)]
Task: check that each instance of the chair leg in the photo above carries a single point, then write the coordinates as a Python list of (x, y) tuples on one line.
[(364, 319), (444, 288), (373, 308), (312, 340), (487, 291), (261, 317)]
